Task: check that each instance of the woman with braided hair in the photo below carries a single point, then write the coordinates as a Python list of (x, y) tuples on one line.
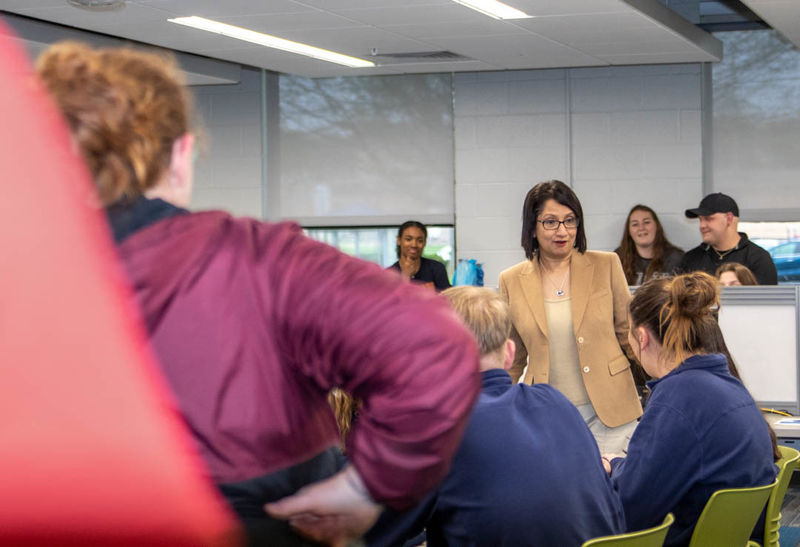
[(701, 430)]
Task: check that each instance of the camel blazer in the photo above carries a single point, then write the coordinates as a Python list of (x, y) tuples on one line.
[(600, 298)]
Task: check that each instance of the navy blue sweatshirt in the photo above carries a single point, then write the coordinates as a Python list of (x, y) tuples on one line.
[(701, 431), (527, 473)]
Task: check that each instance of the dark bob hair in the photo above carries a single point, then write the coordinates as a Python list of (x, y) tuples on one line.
[(534, 203), (410, 224)]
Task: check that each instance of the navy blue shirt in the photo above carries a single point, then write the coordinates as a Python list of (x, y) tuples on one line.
[(430, 271), (701, 431), (527, 473)]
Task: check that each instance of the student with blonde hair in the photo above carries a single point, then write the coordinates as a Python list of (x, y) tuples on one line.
[(701, 431), (528, 472)]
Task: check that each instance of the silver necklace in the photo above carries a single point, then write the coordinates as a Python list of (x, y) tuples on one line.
[(560, 288)]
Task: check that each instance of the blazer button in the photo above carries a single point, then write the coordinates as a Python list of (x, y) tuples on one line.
[(586, 369), (580, 341)]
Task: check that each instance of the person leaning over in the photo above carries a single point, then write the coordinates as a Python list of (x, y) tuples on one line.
[(722, 242), (253, 323), (528, 471), (569, 311)]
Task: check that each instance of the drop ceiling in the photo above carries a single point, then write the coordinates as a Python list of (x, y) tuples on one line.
[(563, 33), (782, 15)]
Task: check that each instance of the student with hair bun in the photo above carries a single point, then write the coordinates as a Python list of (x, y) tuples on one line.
[(701, 430)]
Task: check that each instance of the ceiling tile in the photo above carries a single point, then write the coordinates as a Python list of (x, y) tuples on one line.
[(441, 29), (568, 7), (352, 4), (222, 8), (277, 22), (356, 41), (782, 15), (564, 33), (410, 15), (94, 20)]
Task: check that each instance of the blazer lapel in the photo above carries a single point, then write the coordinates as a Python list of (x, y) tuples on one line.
[(581, 273), (532, 288)]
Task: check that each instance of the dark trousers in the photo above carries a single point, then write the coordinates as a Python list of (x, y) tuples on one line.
[(247, 498)]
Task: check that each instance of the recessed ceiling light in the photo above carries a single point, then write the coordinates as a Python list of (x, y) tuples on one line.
[(495, 9), (270, 41)]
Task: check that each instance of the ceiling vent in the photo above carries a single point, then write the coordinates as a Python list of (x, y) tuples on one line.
[(418, 57), (98, 5)]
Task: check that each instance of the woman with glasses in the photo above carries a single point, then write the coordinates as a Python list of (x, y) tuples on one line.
[(569, 309)]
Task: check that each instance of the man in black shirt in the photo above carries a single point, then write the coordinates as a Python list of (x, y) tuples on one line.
[(722, 242)]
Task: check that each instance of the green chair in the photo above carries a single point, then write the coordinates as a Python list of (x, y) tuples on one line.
[(652, 537), (786, 466), (730, 515)]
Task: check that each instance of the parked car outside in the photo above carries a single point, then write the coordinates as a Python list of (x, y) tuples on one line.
[(786, 257)]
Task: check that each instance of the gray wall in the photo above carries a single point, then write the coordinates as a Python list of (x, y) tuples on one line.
[(619, 136), (228, 169)]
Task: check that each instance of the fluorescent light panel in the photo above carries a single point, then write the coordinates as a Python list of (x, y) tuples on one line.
[(495, 9), (267, 40)]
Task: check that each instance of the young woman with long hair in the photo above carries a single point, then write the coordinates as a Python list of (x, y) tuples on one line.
[(645, 251)]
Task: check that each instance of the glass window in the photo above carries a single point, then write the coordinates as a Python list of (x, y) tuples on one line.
[(379, 245), (782, 240)]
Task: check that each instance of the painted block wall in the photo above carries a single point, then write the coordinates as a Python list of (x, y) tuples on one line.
[(228, 168), (619, 136)]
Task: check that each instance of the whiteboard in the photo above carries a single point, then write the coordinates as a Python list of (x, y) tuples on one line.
[(760, 327)]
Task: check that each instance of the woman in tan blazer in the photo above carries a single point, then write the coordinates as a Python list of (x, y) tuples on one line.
[(569, 309)]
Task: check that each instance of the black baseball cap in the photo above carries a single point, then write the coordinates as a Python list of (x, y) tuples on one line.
[(714, 203)]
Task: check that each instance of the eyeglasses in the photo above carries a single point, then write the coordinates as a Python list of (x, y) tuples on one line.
[(570, 223)]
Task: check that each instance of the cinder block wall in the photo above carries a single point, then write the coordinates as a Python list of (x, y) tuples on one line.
[(619, 136)]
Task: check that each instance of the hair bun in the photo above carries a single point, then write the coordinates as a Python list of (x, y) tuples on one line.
[(693, 295)]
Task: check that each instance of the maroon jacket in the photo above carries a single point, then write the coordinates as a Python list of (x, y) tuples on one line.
[(254, 323)]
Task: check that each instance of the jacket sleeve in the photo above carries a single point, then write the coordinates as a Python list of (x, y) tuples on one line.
[(683, 264), (621, 295), (343, 322), (763, 267), (663, 462), (521, 353)]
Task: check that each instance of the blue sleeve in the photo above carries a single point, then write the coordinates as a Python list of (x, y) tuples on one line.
[(396, 527), (664, 459)]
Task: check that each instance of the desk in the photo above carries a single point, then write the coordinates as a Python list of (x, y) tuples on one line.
[(788, 433)]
